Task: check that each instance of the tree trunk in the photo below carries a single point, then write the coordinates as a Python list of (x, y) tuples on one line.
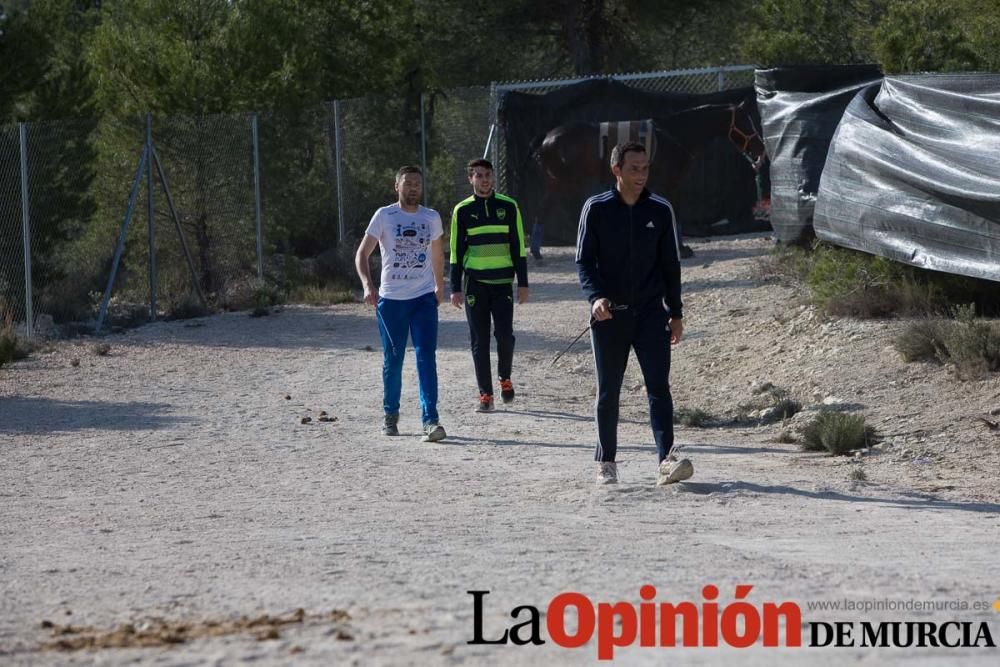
[(585, 28)]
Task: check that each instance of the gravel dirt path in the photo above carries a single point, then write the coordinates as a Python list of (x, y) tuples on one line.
[(170, 486)]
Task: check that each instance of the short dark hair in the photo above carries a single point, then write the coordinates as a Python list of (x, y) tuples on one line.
[(619, 152), (479, 162), (409, 169)]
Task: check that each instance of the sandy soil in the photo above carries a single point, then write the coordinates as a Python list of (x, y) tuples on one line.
[(169, 491)]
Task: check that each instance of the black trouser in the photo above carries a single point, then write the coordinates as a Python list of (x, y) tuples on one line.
[(646, 332), (484, 301)]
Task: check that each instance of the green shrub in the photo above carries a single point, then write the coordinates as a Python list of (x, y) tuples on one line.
[(843, 282), (849, 283), (266, 295), (784, 264), (694, 418), (837, 433), (768, 395), (8, 347), (920, 340), (315, 295), (971, 344), (787, 408), (12, 348), (188, 308)]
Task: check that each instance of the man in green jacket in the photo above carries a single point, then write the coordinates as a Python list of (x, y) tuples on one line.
[(487, 246)]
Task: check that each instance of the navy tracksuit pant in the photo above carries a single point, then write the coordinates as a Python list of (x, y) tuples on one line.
[(646, 332)]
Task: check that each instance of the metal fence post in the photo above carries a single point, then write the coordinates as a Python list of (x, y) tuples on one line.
[(133, 195), (722, 79), (340, 169), (256, 195), (500, 169), (489, 139), (423, 149), (149, 210), (29, 308)]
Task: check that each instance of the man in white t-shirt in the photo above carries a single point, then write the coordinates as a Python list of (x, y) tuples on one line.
[(412, 287)]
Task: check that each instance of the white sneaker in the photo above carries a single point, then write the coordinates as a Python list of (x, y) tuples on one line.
[(673, 470), (433, 432), (607, 473)]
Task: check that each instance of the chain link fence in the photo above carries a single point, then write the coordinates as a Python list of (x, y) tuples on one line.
[(298, 192), (282, 196), (377, 136), (457, 131), (211, 246), (13, 292)]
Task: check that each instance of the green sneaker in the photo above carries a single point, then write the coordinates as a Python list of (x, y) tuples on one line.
[(433, 432), (390, 425)]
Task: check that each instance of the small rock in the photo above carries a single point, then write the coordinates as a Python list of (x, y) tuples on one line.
[(287, 397), (306, 420), (760, 387), (995, 412), (322, 413)]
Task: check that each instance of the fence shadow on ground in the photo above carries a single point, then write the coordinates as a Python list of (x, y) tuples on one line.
[(45, 415), (913, 503), (499, 442), (323, 328)]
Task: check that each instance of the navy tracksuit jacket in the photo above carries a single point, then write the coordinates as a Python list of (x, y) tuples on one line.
[(629, 255)]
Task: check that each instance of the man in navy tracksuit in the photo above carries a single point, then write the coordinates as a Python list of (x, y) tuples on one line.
[(630, 271)]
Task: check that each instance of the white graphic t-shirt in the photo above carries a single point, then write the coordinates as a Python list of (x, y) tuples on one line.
[(405, 242)]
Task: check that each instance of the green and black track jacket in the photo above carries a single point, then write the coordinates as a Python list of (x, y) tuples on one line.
[(487, 242)]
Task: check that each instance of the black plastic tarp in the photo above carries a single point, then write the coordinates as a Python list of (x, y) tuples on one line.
[(706, 185), (800, 109), (913, 174)]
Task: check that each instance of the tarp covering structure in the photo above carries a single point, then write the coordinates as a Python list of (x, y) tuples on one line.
[(693, 163), (800, 109), (913, 174)]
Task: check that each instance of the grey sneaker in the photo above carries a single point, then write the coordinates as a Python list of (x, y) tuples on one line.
[(389, 426), (607, 472), (673, 470), (433, 432)]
